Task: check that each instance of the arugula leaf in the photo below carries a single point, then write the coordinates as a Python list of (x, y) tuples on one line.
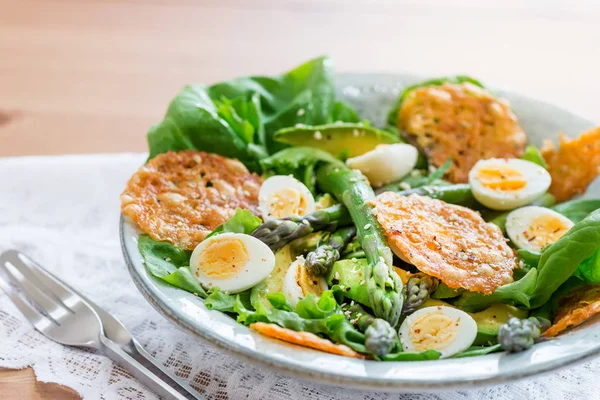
[(519, 292), (402, 356), (479, 351), (561, 259), (576, 210), (438, 173), (419, 178), (168, 263), (393, 114), (533, 154)]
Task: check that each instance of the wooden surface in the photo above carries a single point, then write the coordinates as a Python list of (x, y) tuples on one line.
[(83, 76), (21, 385)]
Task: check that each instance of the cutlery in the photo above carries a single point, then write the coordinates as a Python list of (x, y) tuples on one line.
[(69, 318)]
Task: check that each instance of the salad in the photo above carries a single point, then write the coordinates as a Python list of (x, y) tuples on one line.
[(442, 234)]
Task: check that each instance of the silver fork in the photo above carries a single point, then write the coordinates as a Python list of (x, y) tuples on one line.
[(64, 317)]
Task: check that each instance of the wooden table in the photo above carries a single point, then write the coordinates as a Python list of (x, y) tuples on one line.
[(84, 76)]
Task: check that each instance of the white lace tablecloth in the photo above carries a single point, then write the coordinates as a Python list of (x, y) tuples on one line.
[(63, 212)]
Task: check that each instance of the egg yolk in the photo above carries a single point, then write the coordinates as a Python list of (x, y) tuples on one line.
[(307, 282), (544, 230), (223, 258), (286, 202), (501, 177), (434, 331)]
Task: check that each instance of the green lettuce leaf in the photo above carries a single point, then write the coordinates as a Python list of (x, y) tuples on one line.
[(344, 112), (530, 260), (576, 210), (169, 264), (238, 118), (325, 318), (589, 269), (313, 307), (518, 292), (220, 301), (561, 259), (304, 95), (193, 121), (243, 116), (299, 162), (533, 154), (243, 221)]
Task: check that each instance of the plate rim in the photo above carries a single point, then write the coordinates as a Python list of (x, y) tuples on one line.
[(360, 382)]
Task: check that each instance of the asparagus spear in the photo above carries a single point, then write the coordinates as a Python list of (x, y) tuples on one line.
[(276, 233), (320, 260), (418, 288), (459, 194), (383, 284), (380, 337)]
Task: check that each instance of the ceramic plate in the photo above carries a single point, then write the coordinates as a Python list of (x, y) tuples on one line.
[(373, 96)]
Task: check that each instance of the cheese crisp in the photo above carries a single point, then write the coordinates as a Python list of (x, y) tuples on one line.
[(181, 197), (574, 308), (305, 339), (574, 165), (449, 242), (462, 121)]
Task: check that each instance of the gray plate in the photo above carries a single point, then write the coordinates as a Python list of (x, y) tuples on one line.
[(373, 96)]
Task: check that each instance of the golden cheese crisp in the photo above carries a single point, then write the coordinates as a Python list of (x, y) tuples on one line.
[(305, 339), (449, 242), (574, 165), (181, 197), (574, 308), (462, 121)]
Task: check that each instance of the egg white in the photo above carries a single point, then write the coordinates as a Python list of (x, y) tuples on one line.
[(259, 265), (520, 222), (537, 183), (464, 326), (274, 187), (386, 163), (292, 290)]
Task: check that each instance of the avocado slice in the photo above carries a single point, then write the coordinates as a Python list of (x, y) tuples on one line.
[(274, 282), (488, 321), (349, 275), (349, 140)]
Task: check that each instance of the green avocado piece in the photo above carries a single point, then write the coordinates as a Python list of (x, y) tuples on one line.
[(488, 321), (444, 292), (349, 140), (274, 282), (349, 275)]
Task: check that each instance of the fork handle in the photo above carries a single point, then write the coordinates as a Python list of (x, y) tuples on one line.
[(138, 370)]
